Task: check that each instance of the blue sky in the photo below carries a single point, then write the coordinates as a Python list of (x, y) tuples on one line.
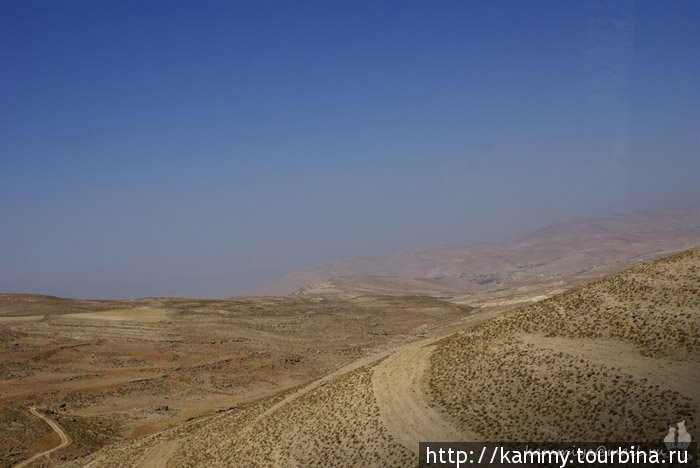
[(207, 148)]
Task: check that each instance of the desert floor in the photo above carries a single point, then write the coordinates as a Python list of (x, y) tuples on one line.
[(368, 378)]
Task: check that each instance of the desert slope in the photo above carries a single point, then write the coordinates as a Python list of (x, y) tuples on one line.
[(582, 250), (109, 370), (616, 359)]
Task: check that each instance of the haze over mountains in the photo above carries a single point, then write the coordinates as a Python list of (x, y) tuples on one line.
[(573, 251), (296, 381)]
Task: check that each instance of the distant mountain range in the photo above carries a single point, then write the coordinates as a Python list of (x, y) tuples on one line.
[(572, 250)]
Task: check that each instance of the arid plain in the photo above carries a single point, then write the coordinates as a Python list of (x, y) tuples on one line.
[(356, 380), (112, 370)]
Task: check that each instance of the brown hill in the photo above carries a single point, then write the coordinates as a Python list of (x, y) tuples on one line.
[(613, 360), (575, 252), (616, 359), (108, 370)]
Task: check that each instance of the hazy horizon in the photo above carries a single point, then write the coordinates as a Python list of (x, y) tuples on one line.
[(159, 149)]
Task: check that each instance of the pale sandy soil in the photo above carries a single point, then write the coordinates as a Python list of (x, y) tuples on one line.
[(137, 314), (613, 360), (159, 455), (110, 372), (405, 406), (617, 359), (671, 374), (352, 416)]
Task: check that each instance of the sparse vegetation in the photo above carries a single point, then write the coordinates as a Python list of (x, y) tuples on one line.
[(110, 364), (504, 381), (616, 359)]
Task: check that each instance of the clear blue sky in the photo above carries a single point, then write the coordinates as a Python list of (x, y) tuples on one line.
[(207, 148)]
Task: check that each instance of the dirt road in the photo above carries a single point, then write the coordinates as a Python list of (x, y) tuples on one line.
[(400, 389), (436, 334), (65, 439), (404, 404)]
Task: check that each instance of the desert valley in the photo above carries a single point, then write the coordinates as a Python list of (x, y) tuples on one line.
[(587, 330), (360, 234)]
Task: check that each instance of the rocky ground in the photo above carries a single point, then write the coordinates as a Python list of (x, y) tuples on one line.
[(124, 369), (616, 359)]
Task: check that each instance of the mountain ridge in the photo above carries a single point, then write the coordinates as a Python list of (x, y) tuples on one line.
[(558, 250)]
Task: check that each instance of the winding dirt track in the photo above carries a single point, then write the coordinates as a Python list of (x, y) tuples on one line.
[(401, 392), (399, 388), (393, 351), (65, 439)]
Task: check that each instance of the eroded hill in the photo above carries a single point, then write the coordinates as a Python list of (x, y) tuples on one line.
[(616, 359), (613, 360)]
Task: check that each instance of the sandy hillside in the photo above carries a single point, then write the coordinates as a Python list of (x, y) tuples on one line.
[(106, 371), (616, 359), (613, 360)]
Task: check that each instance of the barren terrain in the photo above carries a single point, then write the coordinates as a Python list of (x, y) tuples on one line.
[(359, 382), (108, 370), (613, 360)]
